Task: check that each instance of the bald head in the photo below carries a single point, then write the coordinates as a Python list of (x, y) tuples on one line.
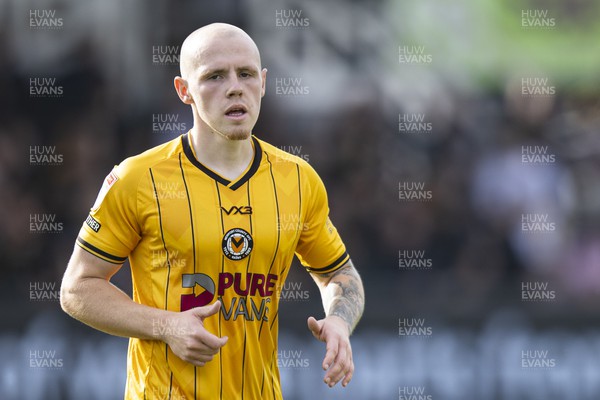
[(206, 41)]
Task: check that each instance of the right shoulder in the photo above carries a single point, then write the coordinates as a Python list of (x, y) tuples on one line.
[(132, 169), (125, 178)]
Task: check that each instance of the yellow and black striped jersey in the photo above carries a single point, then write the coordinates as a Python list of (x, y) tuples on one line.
[(193, 237)]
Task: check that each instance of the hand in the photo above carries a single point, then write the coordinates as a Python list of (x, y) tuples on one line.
[(338, 362), (188, 338)]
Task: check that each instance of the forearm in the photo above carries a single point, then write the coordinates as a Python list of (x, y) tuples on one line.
[(343, 295), (101, 305)]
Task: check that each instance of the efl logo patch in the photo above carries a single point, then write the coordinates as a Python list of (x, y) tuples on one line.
[(92, 223), (237, 244), (108, 182)]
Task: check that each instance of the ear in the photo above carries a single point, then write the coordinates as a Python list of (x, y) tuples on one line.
[(263, 74), (182, 90)]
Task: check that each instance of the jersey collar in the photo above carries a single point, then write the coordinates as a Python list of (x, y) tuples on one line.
[(187, 150)]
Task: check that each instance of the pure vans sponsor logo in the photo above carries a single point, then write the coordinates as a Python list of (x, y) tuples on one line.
[(93, 224), (249, 294)]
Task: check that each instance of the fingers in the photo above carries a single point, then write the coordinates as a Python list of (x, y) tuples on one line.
[(207, 311), (338, 352), (343, 366), (212, 341), (193, 342), (331, 352), (315, 327)]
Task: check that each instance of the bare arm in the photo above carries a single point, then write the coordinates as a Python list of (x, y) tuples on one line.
[(342, 294), (343, 300), (87, 295)]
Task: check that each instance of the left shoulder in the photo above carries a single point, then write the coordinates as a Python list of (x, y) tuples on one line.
[(284, 159)]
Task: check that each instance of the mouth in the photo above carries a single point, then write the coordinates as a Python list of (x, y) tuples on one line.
[(236, 111)]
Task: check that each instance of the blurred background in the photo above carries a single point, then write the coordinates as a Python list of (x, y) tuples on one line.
[(459, 143)]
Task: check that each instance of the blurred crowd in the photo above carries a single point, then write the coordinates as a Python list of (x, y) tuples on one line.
[(470, 158)]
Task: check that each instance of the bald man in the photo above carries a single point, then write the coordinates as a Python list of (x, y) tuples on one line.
[(200, 220)]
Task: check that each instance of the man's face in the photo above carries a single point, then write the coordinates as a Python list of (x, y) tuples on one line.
[(226, 85)]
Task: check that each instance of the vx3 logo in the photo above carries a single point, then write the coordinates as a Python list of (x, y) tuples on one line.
[(245, 210)]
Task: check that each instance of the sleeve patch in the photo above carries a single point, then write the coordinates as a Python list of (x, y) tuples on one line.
[(93, 224), (108, 182)]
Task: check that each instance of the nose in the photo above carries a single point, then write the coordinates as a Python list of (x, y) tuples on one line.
[(235, 86)]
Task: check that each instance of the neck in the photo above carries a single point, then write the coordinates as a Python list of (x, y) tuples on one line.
[(228, 158)]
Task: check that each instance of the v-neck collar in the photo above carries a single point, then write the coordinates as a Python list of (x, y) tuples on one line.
[(233, 185)]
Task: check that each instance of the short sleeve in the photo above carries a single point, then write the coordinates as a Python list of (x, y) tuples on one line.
[(320, 248), (111, 230)]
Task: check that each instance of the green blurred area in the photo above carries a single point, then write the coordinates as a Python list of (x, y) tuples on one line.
[(488, 41)]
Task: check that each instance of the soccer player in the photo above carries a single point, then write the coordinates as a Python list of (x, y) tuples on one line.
[(205, 222)]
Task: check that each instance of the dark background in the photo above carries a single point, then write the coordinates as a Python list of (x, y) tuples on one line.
[(343, 61)]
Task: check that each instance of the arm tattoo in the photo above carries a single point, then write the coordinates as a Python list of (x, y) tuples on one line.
[(345, 295)]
